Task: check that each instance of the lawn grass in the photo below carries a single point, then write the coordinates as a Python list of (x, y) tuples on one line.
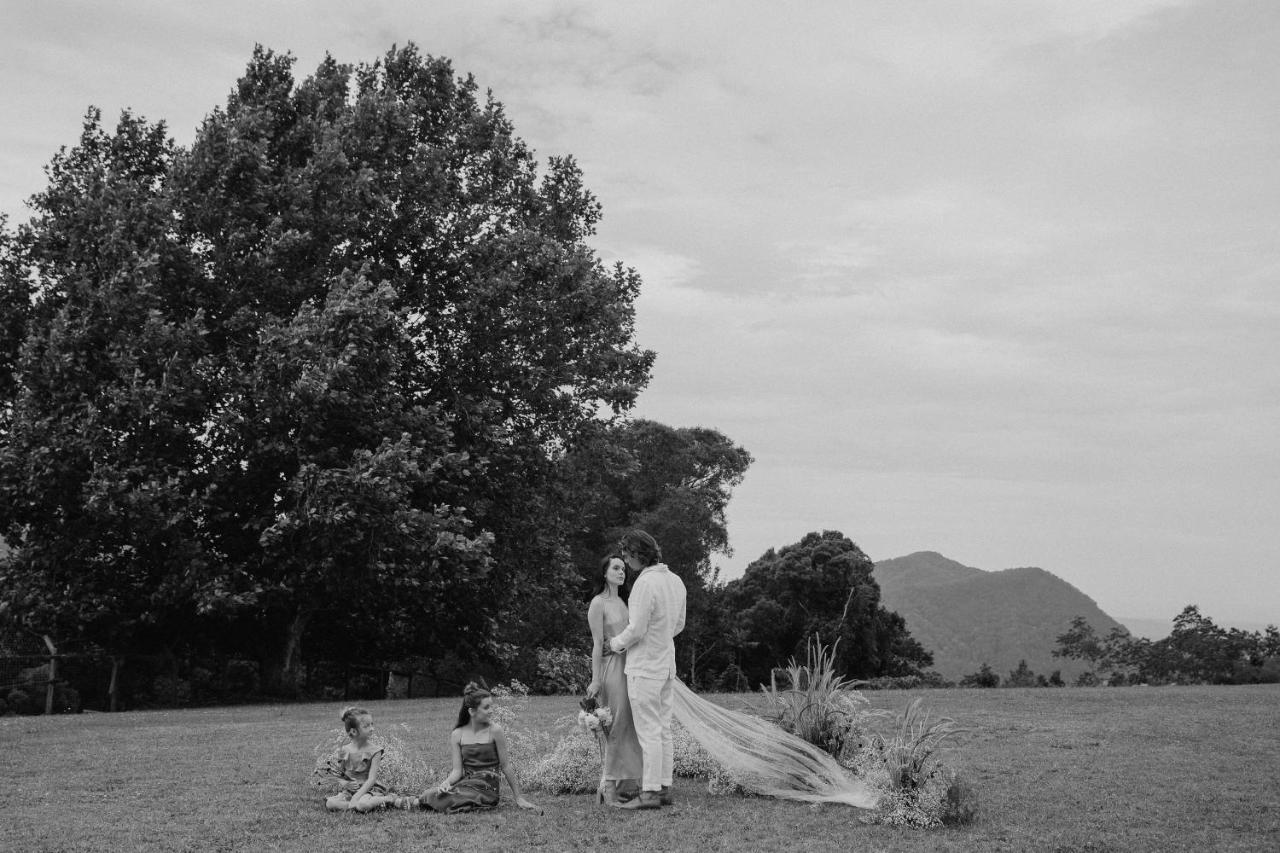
[(1096, 769)]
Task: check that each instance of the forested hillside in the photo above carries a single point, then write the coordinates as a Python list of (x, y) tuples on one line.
[(967, 616)]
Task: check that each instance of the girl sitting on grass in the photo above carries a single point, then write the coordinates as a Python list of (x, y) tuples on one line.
[(356, 766), (479, 749)]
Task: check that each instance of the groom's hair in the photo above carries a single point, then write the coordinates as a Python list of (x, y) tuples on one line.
[(643, 546)]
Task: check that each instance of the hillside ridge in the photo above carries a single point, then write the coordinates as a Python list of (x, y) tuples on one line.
[(969, 616)]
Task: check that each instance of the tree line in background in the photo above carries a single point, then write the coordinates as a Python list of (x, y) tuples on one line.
[(1196, 652), (344, 381)]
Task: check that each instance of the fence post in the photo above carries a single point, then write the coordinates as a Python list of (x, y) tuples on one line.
[(113, 689), (53, 674)]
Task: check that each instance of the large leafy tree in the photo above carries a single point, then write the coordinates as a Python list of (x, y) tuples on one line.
[(384, 327), (99, 484), (15, 305), (822, 586)]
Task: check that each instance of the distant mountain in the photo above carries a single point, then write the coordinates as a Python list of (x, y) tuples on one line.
[(968, 616)]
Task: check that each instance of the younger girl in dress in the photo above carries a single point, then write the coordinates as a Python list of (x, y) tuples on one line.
[(479, 750), (356, 765)]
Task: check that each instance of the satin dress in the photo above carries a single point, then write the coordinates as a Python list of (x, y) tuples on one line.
[(622, 752), (478, 787)]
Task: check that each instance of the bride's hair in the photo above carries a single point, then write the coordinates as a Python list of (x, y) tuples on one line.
[(599, 584), (472, 695)]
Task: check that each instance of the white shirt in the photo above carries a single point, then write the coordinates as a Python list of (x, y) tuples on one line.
[(656, 616)]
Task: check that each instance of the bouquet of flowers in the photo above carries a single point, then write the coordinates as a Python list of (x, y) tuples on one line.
[(594, 717)]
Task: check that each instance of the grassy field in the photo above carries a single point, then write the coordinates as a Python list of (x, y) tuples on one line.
[(1096, 769)]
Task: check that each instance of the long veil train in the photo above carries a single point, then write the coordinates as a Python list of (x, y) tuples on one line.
[(766, 760)]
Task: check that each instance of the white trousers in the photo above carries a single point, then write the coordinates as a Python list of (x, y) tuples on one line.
[(651, 709)]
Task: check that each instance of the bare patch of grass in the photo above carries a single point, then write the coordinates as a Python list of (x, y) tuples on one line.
[(1132, 769)]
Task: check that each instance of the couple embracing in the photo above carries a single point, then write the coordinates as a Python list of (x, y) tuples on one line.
[(633, 668)]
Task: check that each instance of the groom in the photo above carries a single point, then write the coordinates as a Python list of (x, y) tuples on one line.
[(657, 615)]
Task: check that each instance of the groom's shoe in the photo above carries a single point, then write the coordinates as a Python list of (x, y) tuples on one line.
[(646, 800), (665, 796)]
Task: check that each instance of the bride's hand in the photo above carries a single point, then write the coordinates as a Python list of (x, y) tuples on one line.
[(593, 688)]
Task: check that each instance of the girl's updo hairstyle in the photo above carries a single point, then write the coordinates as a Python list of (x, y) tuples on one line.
[(351, 714), (643, 546), (472, 695), (599, 584)]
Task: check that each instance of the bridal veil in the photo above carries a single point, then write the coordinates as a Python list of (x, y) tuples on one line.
[(765, 759)]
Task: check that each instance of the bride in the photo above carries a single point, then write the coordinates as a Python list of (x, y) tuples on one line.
[(607, 616)]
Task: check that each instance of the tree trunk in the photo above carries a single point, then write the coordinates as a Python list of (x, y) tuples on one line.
[(280, 663), (113, 689), (53, 675)]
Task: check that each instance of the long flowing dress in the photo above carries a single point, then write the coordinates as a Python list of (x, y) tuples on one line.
[(478, 787), (622, 752)]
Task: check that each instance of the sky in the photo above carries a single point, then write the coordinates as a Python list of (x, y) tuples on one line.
[(993, 279)]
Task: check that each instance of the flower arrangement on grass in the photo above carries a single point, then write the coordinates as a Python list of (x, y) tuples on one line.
[(526, 747), (572, 766), (820, 706), (916, 787), (565, 760), (691, 761)]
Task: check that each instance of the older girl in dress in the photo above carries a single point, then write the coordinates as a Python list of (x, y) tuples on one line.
[(479, 750), (607, 616)]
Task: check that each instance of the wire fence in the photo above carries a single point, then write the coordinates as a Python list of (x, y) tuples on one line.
[(30, 681)]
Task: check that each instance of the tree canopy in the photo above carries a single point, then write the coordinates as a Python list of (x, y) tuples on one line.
[(1197, 651), (820, 586)]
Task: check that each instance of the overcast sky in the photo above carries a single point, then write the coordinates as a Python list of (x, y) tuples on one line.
[(992, 279)]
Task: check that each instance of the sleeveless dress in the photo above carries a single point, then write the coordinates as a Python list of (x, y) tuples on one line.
[(478, 787), (351, 767), (622, 754)]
